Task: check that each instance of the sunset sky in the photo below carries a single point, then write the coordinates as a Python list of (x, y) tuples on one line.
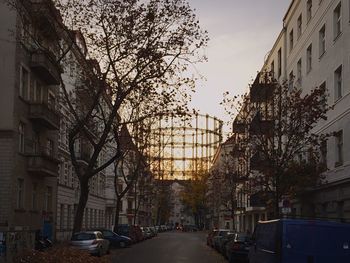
[(241, 35)]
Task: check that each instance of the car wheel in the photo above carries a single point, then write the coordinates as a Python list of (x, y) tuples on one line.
[(122, 244)]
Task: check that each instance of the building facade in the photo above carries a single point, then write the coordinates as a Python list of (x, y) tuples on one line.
[(313, 50), (29, 124)]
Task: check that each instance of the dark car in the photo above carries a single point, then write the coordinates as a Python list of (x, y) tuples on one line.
[(114, 239), (210, 236), (224, 240), (133, 232), (218, 236), (237, 249)]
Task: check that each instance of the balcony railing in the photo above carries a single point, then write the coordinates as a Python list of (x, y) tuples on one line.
[(257, 161), (46, 67), (261, 198), (42, 114), (238, 127), (262, 88), (259, 126), (42, 163)]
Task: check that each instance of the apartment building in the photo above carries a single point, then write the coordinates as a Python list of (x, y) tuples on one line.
[(319, 55), (29, 123), (313, 49)]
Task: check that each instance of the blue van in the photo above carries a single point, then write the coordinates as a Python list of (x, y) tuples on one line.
[(300, 241)]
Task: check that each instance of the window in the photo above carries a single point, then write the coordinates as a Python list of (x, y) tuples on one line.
[(24, 83), (291, 40), (51, 101), (35, 196), (308, 10), (322, 40), (338, 92), (20, 193), (50, 147), (273, 68), (309, 58), (61, 216), (291, 80), (48, 199), (339, 148), (337, 20), (300, 25), (279, 63), (21, 128), (69, 216), (323, 149), (299, 72)]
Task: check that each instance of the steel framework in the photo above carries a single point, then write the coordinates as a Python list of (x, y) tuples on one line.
[(182, 146)]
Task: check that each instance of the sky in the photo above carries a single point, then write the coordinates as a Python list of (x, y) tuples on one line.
[(241, 32)]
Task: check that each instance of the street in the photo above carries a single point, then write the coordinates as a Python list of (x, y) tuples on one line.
[(169, 247)]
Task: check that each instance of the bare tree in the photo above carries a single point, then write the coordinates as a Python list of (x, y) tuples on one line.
[(276, 124), (139, 57)]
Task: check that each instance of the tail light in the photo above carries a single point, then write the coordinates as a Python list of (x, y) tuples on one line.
[(236, 246)]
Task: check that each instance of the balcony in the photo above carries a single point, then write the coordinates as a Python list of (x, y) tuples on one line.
[(45, 116), (261, 198), (42, 164), (259, 126), (45, 16), (257, 161), (238, 126), (44, 65), (262, 88)]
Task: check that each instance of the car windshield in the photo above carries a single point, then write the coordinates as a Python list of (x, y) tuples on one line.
[(223, 233), (242, 238), (83, 236)]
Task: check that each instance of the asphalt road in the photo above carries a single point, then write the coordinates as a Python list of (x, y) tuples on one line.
[(169, 247)]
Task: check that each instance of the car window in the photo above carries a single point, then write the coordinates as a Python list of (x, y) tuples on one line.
[(107, 234), (83, 236), (242, 238)]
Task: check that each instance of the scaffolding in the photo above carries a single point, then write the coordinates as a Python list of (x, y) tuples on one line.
[(182, 146)]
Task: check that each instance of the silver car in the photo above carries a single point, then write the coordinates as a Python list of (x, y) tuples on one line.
[(91, 241)]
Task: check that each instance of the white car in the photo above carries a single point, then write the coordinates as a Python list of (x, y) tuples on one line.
[(91, 241)]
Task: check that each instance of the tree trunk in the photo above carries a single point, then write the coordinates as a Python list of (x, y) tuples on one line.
[(276, 201), (117, 212), (84, 195)]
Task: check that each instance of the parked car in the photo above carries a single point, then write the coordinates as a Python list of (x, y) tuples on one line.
[(146, 232), (91, 241), (153, 230), (223, 241), (210, 236), (133, 232), (189, 228), (237, 248), (219, 235), (297, 240), (114, 239)]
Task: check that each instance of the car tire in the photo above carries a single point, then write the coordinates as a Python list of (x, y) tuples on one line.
[(122, 244)]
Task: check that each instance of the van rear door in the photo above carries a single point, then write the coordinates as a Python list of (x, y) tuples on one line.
[(316, 242), (266, 243)]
